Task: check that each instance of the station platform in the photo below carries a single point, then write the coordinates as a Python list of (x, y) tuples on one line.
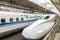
[(57, 36)]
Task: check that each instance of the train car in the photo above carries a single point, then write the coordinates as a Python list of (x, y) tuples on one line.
[(40, 28), (11, 22)]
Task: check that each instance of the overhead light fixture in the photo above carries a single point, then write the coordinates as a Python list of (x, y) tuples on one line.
[(39, 1), (2, 7)]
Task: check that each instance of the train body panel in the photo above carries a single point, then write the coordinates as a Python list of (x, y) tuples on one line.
[(14, 21)]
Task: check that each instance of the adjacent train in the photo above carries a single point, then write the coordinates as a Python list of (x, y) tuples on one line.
[(11, 22)]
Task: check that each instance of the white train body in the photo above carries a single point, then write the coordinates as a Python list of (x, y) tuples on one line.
[(10, 21), (40, 27)]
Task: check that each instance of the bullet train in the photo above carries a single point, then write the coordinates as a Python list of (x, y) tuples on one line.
[(11, 22), (40, 27)]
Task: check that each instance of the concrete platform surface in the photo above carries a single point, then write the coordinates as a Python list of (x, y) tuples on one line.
[(57, 36)]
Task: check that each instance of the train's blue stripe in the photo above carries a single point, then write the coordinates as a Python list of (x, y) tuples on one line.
[(13, 23)]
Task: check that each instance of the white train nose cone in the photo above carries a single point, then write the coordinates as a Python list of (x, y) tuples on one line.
[(38, 31)]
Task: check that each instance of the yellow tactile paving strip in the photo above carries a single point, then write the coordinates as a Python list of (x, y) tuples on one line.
[(57, 36)]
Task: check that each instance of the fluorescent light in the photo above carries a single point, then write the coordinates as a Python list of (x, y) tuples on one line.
[(3, 7), (39, 1)]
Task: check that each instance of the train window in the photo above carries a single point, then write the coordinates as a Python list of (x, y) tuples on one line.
[(11, 19), (27, 17), (47, 17), (24, 15), (44, 17), (17, 19), (21, 15), (3, 20), (22, 19), (31, 17)]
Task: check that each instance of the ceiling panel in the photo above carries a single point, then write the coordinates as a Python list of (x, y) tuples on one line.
[(56, 3), (27, 4)]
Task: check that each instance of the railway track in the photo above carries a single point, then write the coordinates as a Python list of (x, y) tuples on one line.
[(14, 36)]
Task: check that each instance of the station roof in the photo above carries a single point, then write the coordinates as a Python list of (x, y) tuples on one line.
[(26, 5), (56, 3)]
